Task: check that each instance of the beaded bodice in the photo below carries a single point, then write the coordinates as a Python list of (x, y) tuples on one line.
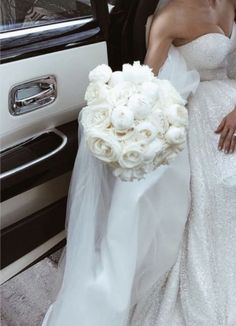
[(209, 53)]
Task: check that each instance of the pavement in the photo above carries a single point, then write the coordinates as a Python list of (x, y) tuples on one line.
[(26, 297)]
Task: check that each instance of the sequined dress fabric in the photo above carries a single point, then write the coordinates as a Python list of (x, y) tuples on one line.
[(200, 289)]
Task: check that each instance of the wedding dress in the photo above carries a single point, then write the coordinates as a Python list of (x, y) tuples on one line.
[(147, 253), (200, 290)]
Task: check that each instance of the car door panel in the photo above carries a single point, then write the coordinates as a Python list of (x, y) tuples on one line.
[(33, 198), (71, 69), (37, 254), (25, 233), (49, 168)]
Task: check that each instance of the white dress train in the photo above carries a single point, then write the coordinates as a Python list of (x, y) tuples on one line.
[(131, 258)]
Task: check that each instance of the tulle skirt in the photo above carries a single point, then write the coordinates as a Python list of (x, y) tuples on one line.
[(122, 237)]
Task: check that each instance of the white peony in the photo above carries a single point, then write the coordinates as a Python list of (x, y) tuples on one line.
[(176, 135), (140, 105), (177, 115), (120, 93), (168, 94), (103, 145), (122, 118), (153, 149), (137, 73), (132, 156), (150, 90), (159, 120), (101, 73), (145, 132), (117, 77), (96, 116), (96, 93)]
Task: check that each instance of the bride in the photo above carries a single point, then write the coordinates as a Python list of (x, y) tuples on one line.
[(162, 251)]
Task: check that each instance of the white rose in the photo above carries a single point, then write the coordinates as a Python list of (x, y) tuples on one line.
[(164, 159), (122, 118), (159, 120), (145, 132), (103, 146), (170, 157), (153, 149), (171, 153), (120, 93), (177, 115), (101, 73), (132, 156), (98, 116), (96, 93), (130, 174), (168, 94), (168, 154), (151, 91), (140, 105), (116, 78), (123, 135), (175, 135), (137, 73), (123, 174)]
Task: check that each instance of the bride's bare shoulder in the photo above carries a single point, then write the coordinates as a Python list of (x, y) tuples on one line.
[(170, 22)]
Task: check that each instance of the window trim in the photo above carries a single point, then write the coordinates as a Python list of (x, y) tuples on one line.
[(49, 38), (42, 28)]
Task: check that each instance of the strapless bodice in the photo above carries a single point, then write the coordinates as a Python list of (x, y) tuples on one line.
[(209, 53)]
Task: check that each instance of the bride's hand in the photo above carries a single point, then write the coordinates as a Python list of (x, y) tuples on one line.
[(227, 129)]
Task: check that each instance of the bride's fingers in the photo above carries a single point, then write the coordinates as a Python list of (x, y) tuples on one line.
[(228, 139), (233, 143), (223, 136), (221, 126)]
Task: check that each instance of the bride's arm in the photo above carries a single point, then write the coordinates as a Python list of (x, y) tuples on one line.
[(227, 127), (159, 42)]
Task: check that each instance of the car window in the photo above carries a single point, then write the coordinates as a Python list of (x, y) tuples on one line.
[(17, 14)]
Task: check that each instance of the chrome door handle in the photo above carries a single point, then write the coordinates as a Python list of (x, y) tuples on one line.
[(63, 143), (32, 95), (35, 98)]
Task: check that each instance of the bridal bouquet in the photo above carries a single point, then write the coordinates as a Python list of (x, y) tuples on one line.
[(133, 121)]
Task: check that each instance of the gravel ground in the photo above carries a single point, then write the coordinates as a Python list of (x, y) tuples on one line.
[(26, 297)]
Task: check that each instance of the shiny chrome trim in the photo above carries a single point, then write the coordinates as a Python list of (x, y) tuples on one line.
[(40, 159), (49, 27), (47, 95), (35, 98), (110, 7)]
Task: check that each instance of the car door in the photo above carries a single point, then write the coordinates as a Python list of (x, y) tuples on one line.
[(47, 50)]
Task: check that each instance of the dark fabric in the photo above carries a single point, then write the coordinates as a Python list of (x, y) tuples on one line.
[(126, 41), (145, 9), (120, 36)]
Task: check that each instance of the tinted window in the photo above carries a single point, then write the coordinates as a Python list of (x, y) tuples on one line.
[(17, 14)]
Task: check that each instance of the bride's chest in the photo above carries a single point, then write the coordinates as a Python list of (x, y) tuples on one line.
[(206, 53), (209, 51)]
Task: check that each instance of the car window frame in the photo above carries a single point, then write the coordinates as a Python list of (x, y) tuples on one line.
[(32, 41), (47, 22)]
